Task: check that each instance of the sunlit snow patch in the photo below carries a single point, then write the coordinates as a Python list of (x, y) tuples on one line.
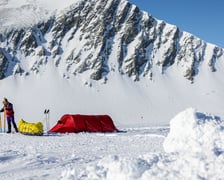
[(195, 132)]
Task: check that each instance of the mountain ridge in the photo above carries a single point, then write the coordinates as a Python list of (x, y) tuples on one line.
[(97, 37)]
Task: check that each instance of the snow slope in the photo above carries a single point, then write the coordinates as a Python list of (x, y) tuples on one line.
[(129, 103), (27, 12), (191, 149), (33, 79)]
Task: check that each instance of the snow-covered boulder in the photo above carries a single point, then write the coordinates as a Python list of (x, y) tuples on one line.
[(193, 132)]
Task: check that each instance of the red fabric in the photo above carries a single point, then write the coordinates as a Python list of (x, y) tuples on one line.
[(64, 125), (84, 123), (9, 110), (92, 124), (107, 124), (79, 123)]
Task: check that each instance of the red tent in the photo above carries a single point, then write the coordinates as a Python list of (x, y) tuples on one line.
[(84, 123)]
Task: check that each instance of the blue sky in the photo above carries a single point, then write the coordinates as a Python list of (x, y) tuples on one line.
[(203, 18)]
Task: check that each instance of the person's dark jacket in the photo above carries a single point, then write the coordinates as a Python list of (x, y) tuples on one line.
[(8, 110)]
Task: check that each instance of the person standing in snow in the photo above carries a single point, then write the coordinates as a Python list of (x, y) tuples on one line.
[(8, 108)]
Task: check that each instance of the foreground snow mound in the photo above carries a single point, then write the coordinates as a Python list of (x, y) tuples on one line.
[(115, 167), (195, 132), (194, 150)]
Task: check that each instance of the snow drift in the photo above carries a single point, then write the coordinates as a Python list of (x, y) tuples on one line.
[(195, 132), (194, 150)]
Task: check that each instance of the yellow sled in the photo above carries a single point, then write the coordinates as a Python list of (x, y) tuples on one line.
[(30, 128)]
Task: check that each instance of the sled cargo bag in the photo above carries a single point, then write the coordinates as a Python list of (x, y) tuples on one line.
[(76, 123), (30, 128)]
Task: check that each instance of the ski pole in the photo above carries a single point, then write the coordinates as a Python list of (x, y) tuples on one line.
[(48, 120), (4, 123), (48, 123), (0, 123), (45, 119), (46, 112)]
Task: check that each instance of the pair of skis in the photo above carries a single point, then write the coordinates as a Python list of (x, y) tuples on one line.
[(3, 129), (47, 119)]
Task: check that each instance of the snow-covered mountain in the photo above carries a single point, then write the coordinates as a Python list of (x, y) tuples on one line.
[(104, 56), (100, 37)]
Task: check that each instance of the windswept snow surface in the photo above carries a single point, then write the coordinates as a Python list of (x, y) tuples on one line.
[(193, 150), (28, 12)]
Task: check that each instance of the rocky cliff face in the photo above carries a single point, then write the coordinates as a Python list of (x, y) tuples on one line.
[(98, 37)]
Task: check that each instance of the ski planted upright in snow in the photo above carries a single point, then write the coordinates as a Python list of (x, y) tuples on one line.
[(4, 121), (47, 119), (0, 123)]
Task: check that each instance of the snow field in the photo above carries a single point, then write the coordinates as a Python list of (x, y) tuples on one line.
[(66, 155), (191, 149)]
